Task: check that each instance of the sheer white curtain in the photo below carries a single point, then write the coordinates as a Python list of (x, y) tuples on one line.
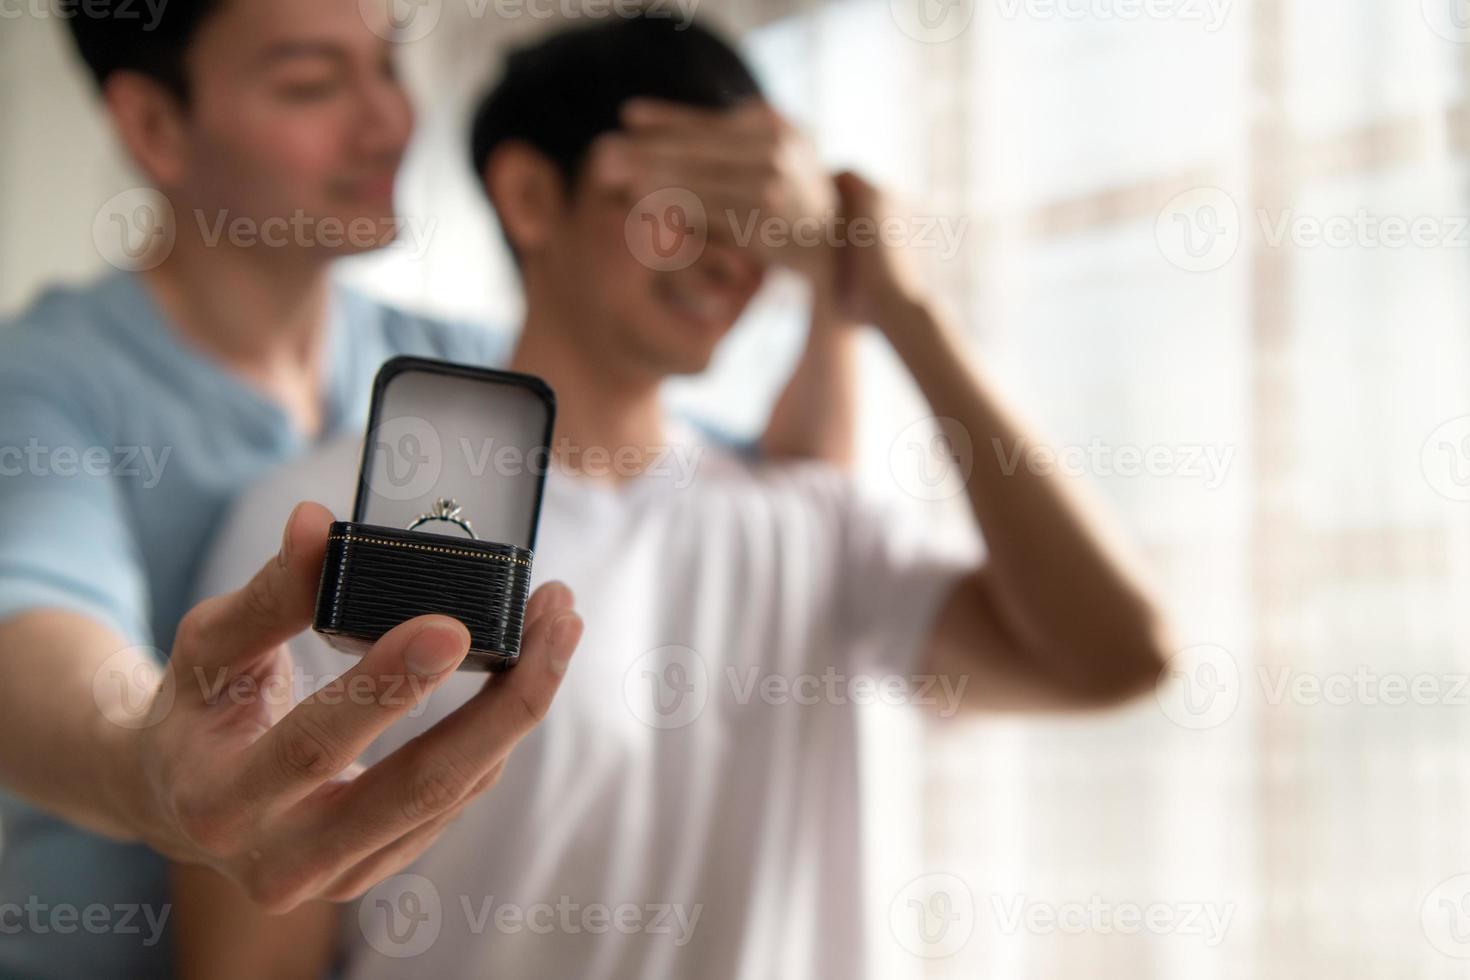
[(1230, 242), (1284, 346)]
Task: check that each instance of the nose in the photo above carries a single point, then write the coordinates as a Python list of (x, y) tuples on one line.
[(385, 117)]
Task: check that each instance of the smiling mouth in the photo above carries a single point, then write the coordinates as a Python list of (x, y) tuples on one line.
[(377, 188), (704, 306)]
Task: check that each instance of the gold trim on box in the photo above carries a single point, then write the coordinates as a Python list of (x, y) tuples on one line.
[(414, 546)]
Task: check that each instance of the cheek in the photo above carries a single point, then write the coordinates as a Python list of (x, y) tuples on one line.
[(299, 153), (604, 259), (623, 289), (271, 163)]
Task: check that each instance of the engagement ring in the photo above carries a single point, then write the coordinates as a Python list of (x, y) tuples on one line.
[(448, 511)]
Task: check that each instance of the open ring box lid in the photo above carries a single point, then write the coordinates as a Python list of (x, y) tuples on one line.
[(442, 434)]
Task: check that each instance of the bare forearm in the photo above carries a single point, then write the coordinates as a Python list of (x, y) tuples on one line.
[(220, 934), (815, 417), (65, 683), (1062, 580)]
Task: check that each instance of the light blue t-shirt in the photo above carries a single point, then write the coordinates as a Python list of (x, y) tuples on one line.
[(120, 450)]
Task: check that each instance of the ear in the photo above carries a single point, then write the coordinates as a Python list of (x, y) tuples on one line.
[(151, 123), (526, 190)]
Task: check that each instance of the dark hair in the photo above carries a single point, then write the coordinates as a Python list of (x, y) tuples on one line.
[(562, 92), (117, 35)]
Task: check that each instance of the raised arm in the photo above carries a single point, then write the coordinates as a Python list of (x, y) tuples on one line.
[(1058, 615), (816, 414)]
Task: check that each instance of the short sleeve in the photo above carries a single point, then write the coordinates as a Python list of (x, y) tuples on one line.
[(404, 332), (65, 538), (898, 563), (472, 344)]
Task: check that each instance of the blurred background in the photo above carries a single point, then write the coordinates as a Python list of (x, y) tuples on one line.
[(1218, 251)]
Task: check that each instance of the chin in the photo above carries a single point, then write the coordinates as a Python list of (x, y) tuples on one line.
[(384, 224), (694, 366), (670, 352), (693, 346)]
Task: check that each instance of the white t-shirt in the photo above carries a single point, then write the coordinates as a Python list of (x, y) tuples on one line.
[(691, 805)]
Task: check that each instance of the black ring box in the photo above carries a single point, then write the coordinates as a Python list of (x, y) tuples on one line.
[(378, 573)]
